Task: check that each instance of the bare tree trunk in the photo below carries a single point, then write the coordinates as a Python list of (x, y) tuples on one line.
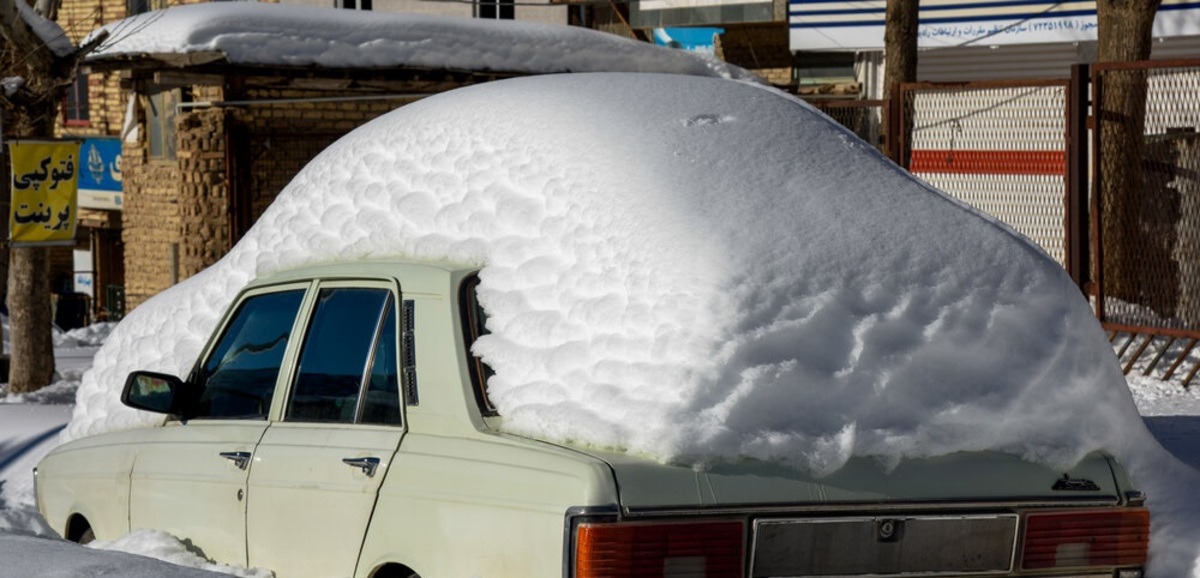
[(29, 315), (1124, 28), (29, 112), (900, 65)]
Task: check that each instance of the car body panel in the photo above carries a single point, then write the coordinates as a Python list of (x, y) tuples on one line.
[(493, 495), (304, 497), (964, 477), (182, 484), (89, 477)]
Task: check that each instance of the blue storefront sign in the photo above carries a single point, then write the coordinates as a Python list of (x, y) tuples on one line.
[(100, 174), (692, 39)]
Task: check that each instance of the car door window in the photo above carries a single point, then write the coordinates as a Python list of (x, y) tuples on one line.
[(347, 369), (238, 378), (382, 403)]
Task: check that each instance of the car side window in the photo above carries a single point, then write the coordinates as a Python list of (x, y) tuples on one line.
[(238, 378), (382, 402), (347, 370)]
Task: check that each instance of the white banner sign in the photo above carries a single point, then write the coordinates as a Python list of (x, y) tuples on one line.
[(858, 25)]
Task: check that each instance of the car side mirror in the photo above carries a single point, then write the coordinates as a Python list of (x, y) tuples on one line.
[(155, 392)]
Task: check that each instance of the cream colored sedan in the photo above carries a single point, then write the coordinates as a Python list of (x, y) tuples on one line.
[(337, 425)]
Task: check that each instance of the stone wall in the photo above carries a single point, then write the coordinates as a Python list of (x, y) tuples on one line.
[(203, 190)]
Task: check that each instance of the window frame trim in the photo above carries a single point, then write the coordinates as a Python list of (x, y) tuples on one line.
[(73, 90), (219, 332)]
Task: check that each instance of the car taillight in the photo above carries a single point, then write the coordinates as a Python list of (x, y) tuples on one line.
[(1095, 538), (671, 550)]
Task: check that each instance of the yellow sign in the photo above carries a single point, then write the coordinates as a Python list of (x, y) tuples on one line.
[(45, 180)]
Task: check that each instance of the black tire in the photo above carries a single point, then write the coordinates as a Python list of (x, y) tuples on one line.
[(86, 537)]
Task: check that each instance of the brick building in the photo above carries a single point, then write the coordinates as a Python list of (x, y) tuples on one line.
[(211, 136)]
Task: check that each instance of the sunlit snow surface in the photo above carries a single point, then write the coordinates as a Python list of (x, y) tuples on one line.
[(694, 270), (686, 268)]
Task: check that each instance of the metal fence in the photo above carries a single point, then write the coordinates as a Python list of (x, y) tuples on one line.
[(1000, 147), (864, 117), (1022, 152), (1147, 196)]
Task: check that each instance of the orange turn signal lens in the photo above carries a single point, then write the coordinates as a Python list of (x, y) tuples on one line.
[(654, 550)]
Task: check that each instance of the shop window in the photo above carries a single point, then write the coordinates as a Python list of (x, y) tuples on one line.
[(75, 106), (825, 74), (160, 121), (140, 6)]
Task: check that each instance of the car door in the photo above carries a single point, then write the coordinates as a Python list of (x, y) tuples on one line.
[(316, 472), (189, 477)]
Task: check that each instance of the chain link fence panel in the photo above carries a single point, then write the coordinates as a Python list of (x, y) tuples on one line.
[(1148, 180), (999, 147)]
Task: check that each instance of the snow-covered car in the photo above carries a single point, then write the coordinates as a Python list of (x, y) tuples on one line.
[(552, 377)]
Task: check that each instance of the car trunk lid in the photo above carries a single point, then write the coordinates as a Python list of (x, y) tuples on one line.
[(976, 477)]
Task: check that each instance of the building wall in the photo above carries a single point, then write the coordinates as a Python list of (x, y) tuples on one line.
[(151, 226), (180, 217), (106, 101), (528, 11), (284, 136)]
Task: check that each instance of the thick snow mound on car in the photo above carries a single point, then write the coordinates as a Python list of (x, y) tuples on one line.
[(691, 269)]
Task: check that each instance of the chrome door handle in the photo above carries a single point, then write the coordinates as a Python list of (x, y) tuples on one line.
[(239, 459), (367, 465)]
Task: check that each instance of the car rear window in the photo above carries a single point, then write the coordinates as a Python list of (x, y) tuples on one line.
[(474, 321)]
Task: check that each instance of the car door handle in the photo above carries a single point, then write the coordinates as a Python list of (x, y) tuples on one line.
[(239, 459), (367, 465)]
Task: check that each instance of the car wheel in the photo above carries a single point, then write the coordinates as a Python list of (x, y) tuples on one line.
[(395, 571), (79, 530)]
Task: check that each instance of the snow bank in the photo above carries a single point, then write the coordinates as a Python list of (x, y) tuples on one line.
[(690, 269), (36, 557), (90, 336), (165, 547), (288, 35)]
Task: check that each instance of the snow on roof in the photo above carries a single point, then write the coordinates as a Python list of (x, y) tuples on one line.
[(288, 35), (690, 269), (47, 30)]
